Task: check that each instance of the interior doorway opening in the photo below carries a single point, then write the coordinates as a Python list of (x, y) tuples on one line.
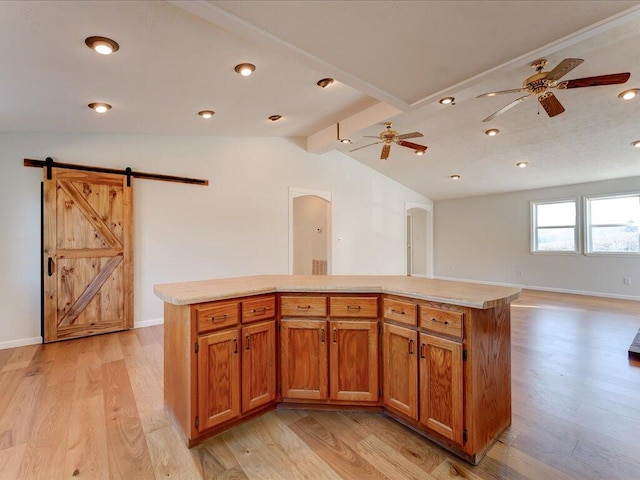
[(419, 240), (309, 232)]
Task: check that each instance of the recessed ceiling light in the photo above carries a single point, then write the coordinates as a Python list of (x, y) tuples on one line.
[(447, 101), (455, 177), (419, 152), (345, 140), (325, 82), (102, 45), (629, 94), (636, 143), (492, 132), (206, 113), (99, 107), (275, 118), (522, 164), (245, 69)]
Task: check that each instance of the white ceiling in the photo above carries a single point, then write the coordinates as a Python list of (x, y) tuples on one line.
[(400, 57)]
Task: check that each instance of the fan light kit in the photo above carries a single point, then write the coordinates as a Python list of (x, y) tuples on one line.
[(275, 118), (541, 82), (636, 144), (206, 113), (492, 132), (455, 177), (629, 94), (245, 69), (102, 45), (419, 152), (522, 164), (447, 101), (345, 140), (388, 136), (325, 82), (99, 107)]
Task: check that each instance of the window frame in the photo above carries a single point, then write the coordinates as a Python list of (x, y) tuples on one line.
[(533, 223), (586, 205)]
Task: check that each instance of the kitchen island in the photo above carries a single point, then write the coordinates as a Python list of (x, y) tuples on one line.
[(432, 354)]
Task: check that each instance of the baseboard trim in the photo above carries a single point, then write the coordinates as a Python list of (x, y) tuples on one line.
[(149, 323), (20, 342), (546, 289)]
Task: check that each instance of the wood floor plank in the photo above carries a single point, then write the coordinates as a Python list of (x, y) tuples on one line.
[(20, 358), (128, 453), (47, 442), (335, 452), (148, 396), (216, 461), (10, 461), (86, 450), (526, 465), (110, 349), (384, 458), (454, 470), (131, 349), (167, 461)]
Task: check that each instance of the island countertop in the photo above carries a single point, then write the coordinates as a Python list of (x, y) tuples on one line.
[(465, 294)]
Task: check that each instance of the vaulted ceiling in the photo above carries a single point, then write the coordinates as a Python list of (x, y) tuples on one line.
[(392, 61)]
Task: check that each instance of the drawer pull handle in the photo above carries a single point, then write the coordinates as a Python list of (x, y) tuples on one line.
[(399, 312), (259, 311), (422, 348), (353, 307), (235, 341), (335, 335), (410, 347), (322, 335), (438, 321), (221, 317), (305, 307), (247, 337)]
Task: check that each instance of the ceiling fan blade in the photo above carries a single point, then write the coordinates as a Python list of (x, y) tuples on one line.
[(551, 104), (611, 79), (414, 146), (564, 67), (370, 136), (385, 152), (364, 146), (493, 94), (409, 135), (505, 108)]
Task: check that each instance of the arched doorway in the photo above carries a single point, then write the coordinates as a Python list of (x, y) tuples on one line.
[(419, 240), (309, 232)]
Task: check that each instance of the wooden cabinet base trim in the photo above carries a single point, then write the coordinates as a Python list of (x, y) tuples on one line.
[(291, 405)]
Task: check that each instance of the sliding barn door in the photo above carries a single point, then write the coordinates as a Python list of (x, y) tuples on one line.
[(88, 246)]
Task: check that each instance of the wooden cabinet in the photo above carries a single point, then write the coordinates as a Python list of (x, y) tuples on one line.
[(441, 400), (354, 360), (304, 366), (258, 365), (400, 370), (218, 378)]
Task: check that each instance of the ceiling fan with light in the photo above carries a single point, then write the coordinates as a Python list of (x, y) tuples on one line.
[(540, 82), (389, 136)]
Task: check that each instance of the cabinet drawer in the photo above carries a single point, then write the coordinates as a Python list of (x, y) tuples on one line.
[(303, 306), (404, 312), (259, 308), (214, 316), (350, 307), (441, 321)]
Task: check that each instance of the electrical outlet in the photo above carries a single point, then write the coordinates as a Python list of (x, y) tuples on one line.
[(519, 273), (626, 280)]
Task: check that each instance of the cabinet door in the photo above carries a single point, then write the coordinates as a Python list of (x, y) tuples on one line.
[(258, 365), (400, 370), (441, 403), (354, 361), (304, 359), (218, 378)]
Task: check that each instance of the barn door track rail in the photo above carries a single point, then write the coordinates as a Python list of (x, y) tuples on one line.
[(49, 164)]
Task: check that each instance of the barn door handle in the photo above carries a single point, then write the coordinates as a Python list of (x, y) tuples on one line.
[(50, 266)]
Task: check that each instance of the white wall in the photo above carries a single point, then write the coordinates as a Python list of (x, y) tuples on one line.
[(488, 239), (310, 228), (235, 226)]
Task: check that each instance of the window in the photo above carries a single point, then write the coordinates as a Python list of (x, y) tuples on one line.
[(554, 227), (612, 224)]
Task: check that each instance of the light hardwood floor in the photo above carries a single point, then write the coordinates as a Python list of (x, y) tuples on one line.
[(92, 408)]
